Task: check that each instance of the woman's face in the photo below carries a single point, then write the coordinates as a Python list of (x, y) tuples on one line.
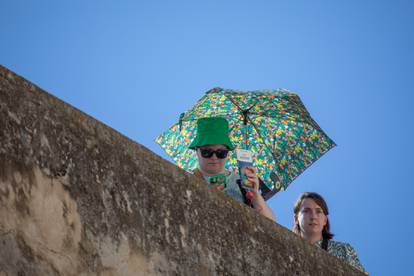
[(310, 218), (212, 165)]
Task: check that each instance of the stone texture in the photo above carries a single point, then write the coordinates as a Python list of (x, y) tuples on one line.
[(78, 198)]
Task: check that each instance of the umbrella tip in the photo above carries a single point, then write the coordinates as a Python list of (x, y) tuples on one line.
[(214, 90), (180, 120)]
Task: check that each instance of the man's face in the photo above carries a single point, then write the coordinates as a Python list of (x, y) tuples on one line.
[(212, 165), (311, 218)]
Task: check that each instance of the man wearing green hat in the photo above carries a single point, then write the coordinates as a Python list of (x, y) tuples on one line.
[(212, 145)]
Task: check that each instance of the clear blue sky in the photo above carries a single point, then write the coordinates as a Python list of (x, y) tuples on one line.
[(136, 65)]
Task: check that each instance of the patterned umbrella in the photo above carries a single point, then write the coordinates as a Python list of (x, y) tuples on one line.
[(273, 124)]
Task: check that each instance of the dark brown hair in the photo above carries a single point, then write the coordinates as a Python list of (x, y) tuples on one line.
[(326, 232)]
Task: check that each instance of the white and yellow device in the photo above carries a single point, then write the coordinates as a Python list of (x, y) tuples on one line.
[(245, 159)]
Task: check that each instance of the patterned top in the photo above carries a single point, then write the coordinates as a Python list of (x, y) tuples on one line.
[(344, 252), (232, 189)]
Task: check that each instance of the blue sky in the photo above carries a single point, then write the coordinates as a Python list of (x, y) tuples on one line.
[(136, 65)]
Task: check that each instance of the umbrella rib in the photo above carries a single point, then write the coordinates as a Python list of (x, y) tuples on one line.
[(183, 119), (264, 144), (241, 109), (259, 134), (289, 118), (233, 102)]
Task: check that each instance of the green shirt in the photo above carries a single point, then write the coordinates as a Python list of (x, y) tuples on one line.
[(232, 189)]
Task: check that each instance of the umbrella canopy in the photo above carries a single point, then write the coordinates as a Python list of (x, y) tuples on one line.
[(273, 124)]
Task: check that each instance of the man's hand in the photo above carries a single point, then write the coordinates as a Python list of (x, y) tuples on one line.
[(258, 201), (251, 174)]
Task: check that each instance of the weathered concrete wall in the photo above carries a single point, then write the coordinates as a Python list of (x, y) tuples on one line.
[(78, 198)]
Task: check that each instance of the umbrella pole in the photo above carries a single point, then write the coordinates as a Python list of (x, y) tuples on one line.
[(245, 112)]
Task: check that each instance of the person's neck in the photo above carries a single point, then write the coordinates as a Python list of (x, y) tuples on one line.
[(313, 238), (210, 174)]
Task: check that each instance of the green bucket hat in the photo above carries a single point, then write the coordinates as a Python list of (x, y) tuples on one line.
[(212, 131)]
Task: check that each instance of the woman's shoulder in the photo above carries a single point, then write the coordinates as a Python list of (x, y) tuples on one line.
[(346, 252), (339, 244), (342, 248)]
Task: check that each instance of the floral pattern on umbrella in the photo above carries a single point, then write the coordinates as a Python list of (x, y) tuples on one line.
[(273, 124)]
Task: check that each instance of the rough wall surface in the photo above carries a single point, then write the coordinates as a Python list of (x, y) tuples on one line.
[(78, 198)]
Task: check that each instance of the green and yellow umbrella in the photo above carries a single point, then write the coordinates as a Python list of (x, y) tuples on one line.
[(273, 124)]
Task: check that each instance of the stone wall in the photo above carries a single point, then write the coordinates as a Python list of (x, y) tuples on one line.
[(78, 198)]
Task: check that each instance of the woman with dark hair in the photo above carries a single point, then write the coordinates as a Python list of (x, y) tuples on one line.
[(312, 223)]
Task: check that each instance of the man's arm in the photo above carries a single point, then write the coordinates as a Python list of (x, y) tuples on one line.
[(259, 204)]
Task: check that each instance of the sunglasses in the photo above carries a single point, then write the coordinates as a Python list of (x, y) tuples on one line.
[(208, 153)]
